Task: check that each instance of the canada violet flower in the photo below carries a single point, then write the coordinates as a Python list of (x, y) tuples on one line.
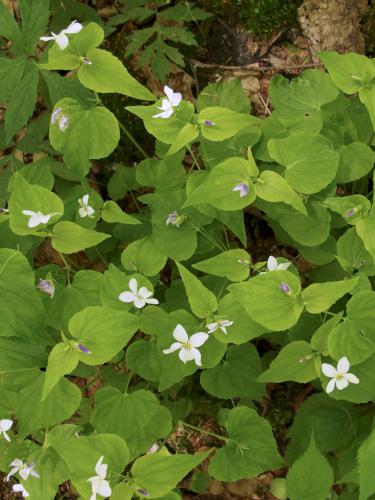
[(174, 219), (18, 488), (285, 288), (340, 376), (221, 323), (24, 470), (139, 297), (47, 286), (167, 105), (37, 218), (243, 188), (82, 348), (187, 345), (272, 264), (5, 425), (85, 210), (60, 38), (99, 484), (58, 115)]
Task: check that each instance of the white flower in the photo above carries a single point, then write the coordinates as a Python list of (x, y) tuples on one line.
[(61, 39), (340, 377), (37, 218), (140, 297), (63, 122), (47, 286), (243, 188), (85, 210), (167, 105), (272, 264), (18, 488), (55, 115), (221, 323), (99, 484), (175, 219), (5, 425), (23, 469), (187, 346)]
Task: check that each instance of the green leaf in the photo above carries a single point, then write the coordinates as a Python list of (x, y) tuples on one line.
[(11, 71), (185, 136), (35, 198), (143, 359), (33, 413), (366, 231), (202, 301), (366, 457), (294, 362), (310, 162), (62, 360), (34, 16), (22, 101), (271, 187), (144, 257), (92, 133), (107, 74), (71, 238), (217, 187), (112, 213), (17, 355), (227, 123), (266, 303), (103, 331), (310, 477), (65, 86), (8, 26), (349, 72), (319, 297), (366, 95), (356, 161), (158, 474), (232, 264), (18, 293), (137, 417), (349, 339), (251, 448), (227, 94), (236, 376)]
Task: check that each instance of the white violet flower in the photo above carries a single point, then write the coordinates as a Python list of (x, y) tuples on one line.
[(243, 188), (272, 264), (340, 376), (47, 286), (221, 323), (18, 488), (37, 218), (139, 297), (175, 219), (167, 105), (5, 425), (24, 470), (99, 484), (85, 210), (187, 346), (63, 122), (60, 38)]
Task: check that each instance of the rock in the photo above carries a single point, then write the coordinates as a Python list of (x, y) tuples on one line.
[(333, 24), (246, 488)]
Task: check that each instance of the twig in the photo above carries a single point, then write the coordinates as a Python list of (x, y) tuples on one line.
[(255, 67), (265, 104)]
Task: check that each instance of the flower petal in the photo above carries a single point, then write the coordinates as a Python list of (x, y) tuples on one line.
[(168, 92), (174, 347), (350, 377), (74, 27), (212, 327), (5, 424), (197, 356), (46, 38), (139, 302), (99, 467), (104, 489), (152, 301), (283, 266), (186, 354), (62, 41), (85, 199), (341, 383), (198, 339), (179, 333), (176, 99), (331, 385), (144, 292), (126, 297), (329, 370), (343, 365), (271, 263), (133, 285)]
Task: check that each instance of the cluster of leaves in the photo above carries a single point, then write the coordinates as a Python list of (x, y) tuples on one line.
[(154, 335), (153, 42)]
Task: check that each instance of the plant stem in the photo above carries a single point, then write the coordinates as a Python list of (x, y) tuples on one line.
[(131, 138), (194, 158), (100, 255), (67, 266), (130, 374), (199, 429)]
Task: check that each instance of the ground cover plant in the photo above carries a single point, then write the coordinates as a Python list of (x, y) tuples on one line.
[(132, 306)]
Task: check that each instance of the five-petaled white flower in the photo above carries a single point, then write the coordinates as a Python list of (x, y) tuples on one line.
[(24, 470), (167, 105), (18, 488), (272, 264), (37, 218), (340, 376), (140, 297), (99, 484), (5, 425), (187, 345), (221, 323), (85, 210), (243, 188), (60, 38)]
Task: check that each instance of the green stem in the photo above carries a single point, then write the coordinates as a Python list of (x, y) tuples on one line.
[(100, 255), (67, 266), (131, 138), (194, 158), (207, 235), (130, 375), (199, 429)]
